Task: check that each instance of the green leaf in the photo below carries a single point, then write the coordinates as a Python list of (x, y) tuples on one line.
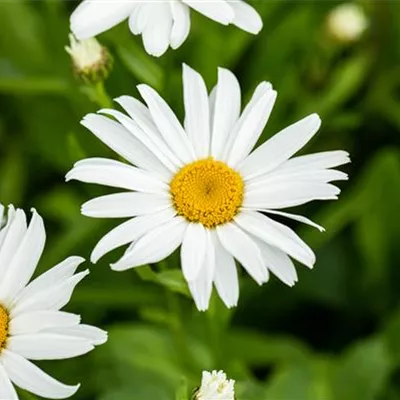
[(306, 380), (141, 66), (362, 372), (174, 281)]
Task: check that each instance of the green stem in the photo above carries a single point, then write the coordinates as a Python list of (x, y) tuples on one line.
[(176, 324), (214, 331), (102, 97)]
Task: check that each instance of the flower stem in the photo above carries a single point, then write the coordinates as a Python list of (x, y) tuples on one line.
[(103, 99), (97, 94), (176, 324)]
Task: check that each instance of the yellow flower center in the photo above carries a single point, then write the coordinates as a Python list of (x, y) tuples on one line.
[(4, 320), (207, 191)]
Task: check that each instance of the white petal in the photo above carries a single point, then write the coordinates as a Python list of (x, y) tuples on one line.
[(250, 126), (95, 335), (201, 287), (29, 377), (115, 174), (53, 277), (2, 212), (14, 232), (53, 298), (217, 10), (142, 127), (287, 176), (140, 135), (323, 160), (278, 263), (5, 221), (168, 125), (194, 250), (197, 112), (181, 25), (157, 32), (295, 217), (262, 89), (226, 277), (280, 147), (243, 248), (93, 17), (246, 17), (25, 260), (283, 195), (130, 231), (48, 346), (276, 234), (226, 111), (138, 18), (119, 139), (154, 246), (212, 98), (33, 322), (7, 390), (121, 205)]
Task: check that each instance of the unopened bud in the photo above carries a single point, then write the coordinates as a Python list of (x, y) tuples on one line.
[(91, 61), (347, 22)]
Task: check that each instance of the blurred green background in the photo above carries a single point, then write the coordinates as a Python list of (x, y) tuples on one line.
[(336, 334)]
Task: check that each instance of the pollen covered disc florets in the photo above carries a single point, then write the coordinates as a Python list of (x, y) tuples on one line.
[(207, 191), (4, 320)]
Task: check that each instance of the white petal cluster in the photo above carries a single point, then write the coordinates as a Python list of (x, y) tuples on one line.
[(347, 22), (37, 329), (151, 138), (216, 386), (86, 54), (162, 24)]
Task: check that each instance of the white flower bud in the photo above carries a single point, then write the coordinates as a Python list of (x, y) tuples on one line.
[(215, 386), (91, 61), (347, 22)]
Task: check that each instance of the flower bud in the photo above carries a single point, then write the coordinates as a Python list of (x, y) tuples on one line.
[(347, 22), (91, 61), (215, 386)]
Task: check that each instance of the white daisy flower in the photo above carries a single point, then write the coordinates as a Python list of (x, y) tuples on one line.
[(202, 187), (162, 23), (215, 386), (31, 325)]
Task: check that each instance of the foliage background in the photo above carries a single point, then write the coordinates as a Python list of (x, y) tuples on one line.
[(336, 334)]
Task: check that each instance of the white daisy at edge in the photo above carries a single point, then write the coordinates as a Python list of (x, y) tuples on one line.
[(202, 187), (215, 386), (162, 23), (31, 325)]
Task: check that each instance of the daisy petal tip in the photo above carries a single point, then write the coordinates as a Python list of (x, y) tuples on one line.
[(118, 266), (85, 273), (103, 111), (94, 257), (311, 264), (101, 337), (34, 212), (78, 260)]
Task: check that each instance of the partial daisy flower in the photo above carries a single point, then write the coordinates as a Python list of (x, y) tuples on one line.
[(202, 187), (91, 61), (347, 22), (31, 325), (162, 23), (215, 386)]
